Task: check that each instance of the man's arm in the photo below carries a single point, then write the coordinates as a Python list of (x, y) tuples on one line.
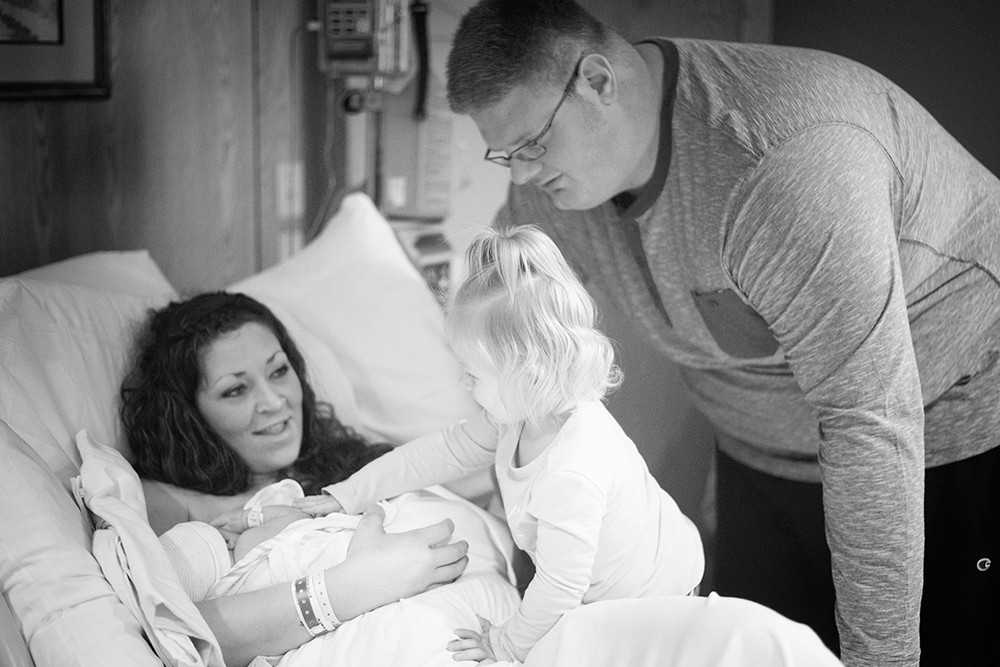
[(814, 250)]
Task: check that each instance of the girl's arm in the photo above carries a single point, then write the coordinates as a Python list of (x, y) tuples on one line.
[(566, 535), (436, 458), (380, 568)]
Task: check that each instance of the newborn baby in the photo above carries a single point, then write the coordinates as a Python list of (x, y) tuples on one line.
[(414, 631)]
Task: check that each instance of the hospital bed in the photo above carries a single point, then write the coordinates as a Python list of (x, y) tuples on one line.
[(371, 333)]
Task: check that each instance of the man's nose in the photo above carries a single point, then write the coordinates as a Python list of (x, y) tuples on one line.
[(523, 171)]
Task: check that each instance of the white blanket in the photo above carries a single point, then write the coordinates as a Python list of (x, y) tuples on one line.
[(652, 632), (135, 564), (410, 633)]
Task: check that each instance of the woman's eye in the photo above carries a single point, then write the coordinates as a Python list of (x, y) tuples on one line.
[(233, 392), (281, 371)]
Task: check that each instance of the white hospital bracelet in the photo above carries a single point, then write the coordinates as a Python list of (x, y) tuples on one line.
[(255, 516), (321, 601), (304, 607)]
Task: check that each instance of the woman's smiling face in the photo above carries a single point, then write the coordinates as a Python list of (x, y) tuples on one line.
[(252, 398)]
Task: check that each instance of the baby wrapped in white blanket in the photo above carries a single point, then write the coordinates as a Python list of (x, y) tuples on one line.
[(411, 632)]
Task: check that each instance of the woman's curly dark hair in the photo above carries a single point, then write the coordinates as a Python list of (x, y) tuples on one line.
[(171, 441)]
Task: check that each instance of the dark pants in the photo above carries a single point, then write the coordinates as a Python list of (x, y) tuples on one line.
[(771, 548)]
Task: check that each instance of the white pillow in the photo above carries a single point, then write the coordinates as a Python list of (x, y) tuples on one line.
[(68, 612), (354, 289), (63, 354), (122, 272)]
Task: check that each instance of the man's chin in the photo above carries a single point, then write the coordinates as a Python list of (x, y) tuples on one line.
[(565, 201)]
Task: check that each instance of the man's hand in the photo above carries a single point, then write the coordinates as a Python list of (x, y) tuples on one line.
[(472, 645)]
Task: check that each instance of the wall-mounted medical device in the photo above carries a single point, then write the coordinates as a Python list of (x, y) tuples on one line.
[(370, 38), (379, 50)]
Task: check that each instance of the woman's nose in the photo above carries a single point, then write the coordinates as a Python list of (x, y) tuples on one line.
[(269, 398), (523, 171)]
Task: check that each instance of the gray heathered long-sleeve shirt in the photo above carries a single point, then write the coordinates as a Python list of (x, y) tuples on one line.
[(827, 261)]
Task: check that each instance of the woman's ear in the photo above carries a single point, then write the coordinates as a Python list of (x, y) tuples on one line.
[(596, 71)]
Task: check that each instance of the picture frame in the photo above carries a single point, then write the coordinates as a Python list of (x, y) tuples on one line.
[(53, 49)]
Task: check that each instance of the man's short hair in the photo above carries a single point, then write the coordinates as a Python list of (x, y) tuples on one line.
[(500, 44)]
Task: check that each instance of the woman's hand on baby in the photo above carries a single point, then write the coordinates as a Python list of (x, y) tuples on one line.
[(472, 645), (320, 505), (390, 566)]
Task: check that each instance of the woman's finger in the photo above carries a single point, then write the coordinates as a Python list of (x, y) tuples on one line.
[(445, 574), (369, 532), (437, 534), (477, 654), (484, 625), (450, 553)]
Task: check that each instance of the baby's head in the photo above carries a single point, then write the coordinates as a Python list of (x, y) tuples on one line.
[(199, 555), (523, 315)]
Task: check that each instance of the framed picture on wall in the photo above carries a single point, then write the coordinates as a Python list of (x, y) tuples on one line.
[(52, 49)]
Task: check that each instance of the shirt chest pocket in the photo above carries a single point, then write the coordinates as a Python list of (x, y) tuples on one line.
[(736, 327)]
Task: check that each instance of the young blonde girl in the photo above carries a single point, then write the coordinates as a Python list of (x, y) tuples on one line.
[(578, 496)]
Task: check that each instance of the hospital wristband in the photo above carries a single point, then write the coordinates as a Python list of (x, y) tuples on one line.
[(320, 599), (304, 607), (255, 516)]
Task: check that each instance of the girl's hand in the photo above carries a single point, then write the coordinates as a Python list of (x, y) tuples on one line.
[(472, 645), (320, 505)]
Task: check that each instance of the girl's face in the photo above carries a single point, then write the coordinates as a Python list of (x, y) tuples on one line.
[(252, 398), (484, 384)]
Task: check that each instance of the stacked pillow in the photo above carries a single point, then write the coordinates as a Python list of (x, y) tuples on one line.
[(65, 331), (368, 326)]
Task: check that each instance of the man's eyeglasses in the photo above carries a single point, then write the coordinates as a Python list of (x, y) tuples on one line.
[(531, 149)]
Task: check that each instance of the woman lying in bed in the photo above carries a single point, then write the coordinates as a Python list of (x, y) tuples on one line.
[(217, 405)]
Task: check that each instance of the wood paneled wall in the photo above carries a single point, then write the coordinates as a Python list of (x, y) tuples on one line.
[(210, 102), (181, 159)]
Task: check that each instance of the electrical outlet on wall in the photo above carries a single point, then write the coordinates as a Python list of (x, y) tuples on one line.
[(290, 186)]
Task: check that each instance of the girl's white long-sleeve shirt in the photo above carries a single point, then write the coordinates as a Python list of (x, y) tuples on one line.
[(587, 511)]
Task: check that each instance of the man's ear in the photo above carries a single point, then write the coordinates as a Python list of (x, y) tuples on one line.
[(597, 72)]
